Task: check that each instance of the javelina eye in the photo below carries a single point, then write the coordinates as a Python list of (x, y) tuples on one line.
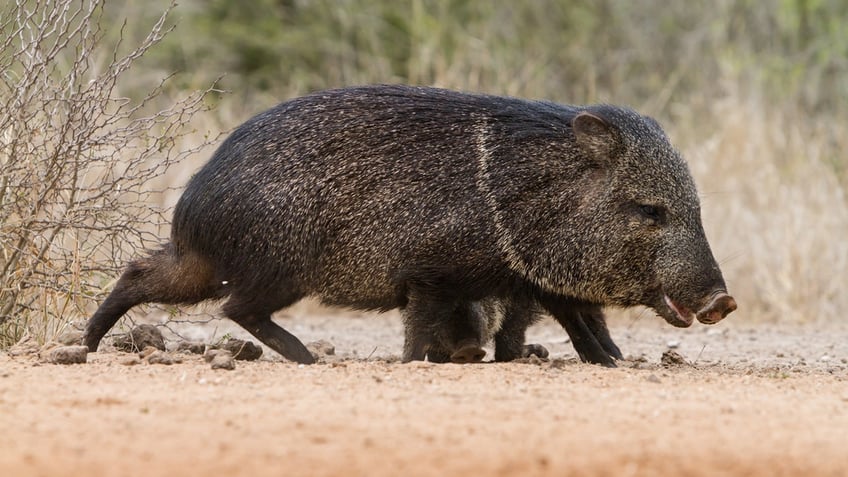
[(652, 213)]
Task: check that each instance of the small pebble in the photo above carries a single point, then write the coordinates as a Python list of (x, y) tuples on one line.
[(210, 354), (193, 347), (223, 360), (161, 357), (70, 338), (131, 360), (672, 358), (243, 350), (139, 338), (673, 344), (321, 348), (653, 379), (27, 345), (69, 355)]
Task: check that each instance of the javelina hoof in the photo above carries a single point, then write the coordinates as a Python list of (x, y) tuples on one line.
[(719, 307), (468, 353), (535, 350)]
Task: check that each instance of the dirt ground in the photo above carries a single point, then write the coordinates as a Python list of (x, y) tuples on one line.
[(752, 400)]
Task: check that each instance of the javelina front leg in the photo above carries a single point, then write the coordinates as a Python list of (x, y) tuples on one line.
[(587, 345), (595, 320), (416, 340)]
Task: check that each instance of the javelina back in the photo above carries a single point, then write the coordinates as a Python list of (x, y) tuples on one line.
[(420, 198)]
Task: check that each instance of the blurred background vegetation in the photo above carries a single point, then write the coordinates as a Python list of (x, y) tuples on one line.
[(650, 52), (753, 93)]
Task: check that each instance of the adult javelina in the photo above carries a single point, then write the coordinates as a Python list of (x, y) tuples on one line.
[(392, 196)]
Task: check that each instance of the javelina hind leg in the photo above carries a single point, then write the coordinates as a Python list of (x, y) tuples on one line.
[(162, 277), (509, 340), (256, 319)]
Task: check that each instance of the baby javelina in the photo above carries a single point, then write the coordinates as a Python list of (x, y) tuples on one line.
[(432, 201), (461, 338)]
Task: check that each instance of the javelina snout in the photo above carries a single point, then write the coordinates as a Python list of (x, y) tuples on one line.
[(718, 307)]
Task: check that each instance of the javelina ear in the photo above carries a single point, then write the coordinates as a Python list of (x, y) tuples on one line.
[(595, 135)]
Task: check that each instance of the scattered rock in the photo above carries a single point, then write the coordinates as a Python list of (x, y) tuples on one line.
[(193, 347), (69, 354), (653, 379), (131, 360), (210, 354), (321, 348), (673, 344), (27, 345), (49, 346), (223, 359), (140, 337), (243, 350), (558, 363), (672, 358), (161, 357), (70, 338)]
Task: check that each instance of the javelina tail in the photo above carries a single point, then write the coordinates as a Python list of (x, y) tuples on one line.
[(162, 277)]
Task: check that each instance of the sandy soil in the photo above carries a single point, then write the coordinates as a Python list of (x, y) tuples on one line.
[(762, 400)]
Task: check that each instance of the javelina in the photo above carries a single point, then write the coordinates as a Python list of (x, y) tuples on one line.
[(461, 337), (425, 199)]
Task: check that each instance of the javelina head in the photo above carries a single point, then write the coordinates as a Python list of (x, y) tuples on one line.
[(609, 213), (655, 252)]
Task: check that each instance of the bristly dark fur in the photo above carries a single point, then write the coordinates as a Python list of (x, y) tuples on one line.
[(445, 204)]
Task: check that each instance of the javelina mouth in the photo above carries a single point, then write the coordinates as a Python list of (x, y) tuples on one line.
[(680, 316), (720, 305)]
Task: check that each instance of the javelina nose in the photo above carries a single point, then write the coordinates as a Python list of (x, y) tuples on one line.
[(720, 306)]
